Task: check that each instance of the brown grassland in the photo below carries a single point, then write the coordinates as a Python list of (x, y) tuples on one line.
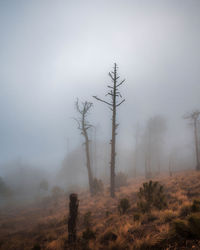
[(43, 224)]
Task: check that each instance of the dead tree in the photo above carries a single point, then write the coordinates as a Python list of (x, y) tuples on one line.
[(83, 126), (113, 105), (194, 118), (73, 213)]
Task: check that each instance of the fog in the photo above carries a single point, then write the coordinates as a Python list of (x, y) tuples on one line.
[(53, 52)]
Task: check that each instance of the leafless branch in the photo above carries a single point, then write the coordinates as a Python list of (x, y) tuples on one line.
[(102, 100)]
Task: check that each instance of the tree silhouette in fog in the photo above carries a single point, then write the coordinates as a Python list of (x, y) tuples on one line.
[(83, 109), (113, 105), (194, 118)]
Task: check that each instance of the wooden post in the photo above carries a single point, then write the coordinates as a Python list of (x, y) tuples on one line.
[(73, 213)]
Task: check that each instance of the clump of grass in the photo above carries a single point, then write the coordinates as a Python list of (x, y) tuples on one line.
[(167, 216), (189, 229), (185, 210), (123, 205), (108, 236), (136, 216)]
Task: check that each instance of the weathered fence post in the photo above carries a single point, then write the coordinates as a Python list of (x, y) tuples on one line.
[(73, 213)]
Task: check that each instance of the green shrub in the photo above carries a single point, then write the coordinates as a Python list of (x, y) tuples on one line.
[(151, 195), (120, 180), (123, 205)]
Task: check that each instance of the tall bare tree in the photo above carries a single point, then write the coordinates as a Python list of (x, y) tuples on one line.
[(83, 125), (113, 104), (194, 118)]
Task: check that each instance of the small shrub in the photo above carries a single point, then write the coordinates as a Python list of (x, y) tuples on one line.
[(189, 229), (180, 227), (195, 206), (185, 210), (88, 234), (136, 217), (36, 247), (120, 180), (108, 236), (123, 206), (151, 195), (97, 186), (149, 218), (194, 225)]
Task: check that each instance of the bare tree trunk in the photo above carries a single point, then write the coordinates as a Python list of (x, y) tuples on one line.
[(170, 167), (113, 153), (114, 94), (87, 151), (73, 213), (196, 144), (84, 125), (193, 116)]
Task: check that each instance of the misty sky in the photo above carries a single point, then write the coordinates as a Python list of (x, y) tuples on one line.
[(53, 51)]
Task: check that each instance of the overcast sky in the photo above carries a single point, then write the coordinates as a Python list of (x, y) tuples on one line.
[(53, 51)]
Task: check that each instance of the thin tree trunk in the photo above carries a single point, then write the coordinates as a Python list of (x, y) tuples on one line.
[(114, 93), (113, 153), (196, 144), (87, 151)]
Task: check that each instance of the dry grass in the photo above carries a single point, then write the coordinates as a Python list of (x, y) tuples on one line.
[(46, 225)]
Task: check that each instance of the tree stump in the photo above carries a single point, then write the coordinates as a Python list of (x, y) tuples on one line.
[(73, 213)]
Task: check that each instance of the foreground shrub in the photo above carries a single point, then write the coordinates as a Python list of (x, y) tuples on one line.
[(151, 195), (36, 247), (88, 234), (120, 180), (123, 206), (195, 206), (108, 236), (185, 210), (189, 229)]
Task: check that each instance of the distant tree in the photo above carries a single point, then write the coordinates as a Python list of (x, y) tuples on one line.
[(153, 143), (194, 118), (137, 135), (4, 189), (83, 125), (113, 105), (44, 185)]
